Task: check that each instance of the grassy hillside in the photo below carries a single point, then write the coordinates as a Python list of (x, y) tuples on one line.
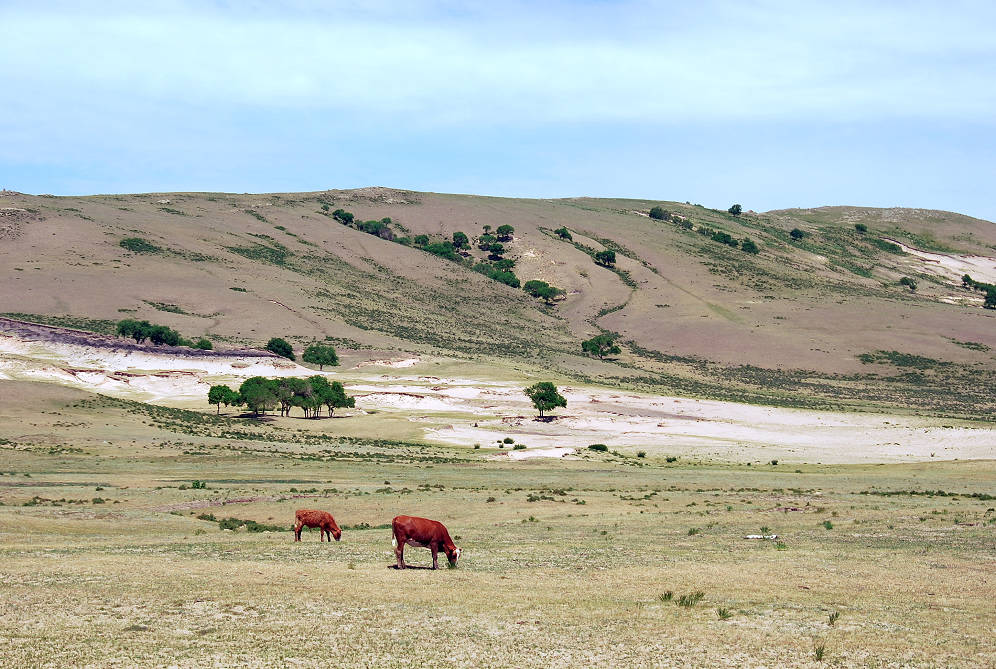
[(818, 321)]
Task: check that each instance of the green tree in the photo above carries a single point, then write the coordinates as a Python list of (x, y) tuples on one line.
[(259, 394), (160, 334), (601, 345), (541, 289), (606, 258), (203, 344), (461, 240), (280, 347), (563, 233), (861, 227), (990, 302), (343, 216), (545, 396), (318, 354), (748, 246), (496, 251), (504, 233), (736, 210), (421, 240), (658, 213), (332, 395), (137, 330), (797, 234), (909, 283), (485, 241), (219, 395)]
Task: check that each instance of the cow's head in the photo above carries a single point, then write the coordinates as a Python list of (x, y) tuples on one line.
[(453, 556), (337, 533)]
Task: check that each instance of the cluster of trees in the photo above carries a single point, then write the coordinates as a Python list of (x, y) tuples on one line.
[(260, 394), (381, 228), (605, 258), (542, 290), (987, 288), (747, 245), (158, 334), (662, 214), (601, 345)]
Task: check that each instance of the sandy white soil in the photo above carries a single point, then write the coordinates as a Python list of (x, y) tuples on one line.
[(954, 267), (469, 411)]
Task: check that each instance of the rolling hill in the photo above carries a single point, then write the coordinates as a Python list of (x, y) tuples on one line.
[(818, 320)]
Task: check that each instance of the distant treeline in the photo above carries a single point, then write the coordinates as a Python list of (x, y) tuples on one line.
[(158, 334), (260, 394)]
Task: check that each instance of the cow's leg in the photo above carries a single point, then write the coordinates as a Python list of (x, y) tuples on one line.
[(435, 556), (399, 552), (297, 531)]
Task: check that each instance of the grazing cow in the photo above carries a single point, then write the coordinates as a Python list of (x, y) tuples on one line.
[(422, 533), (323, 520)]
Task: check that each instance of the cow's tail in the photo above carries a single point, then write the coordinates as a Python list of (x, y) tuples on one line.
[(394, 541)]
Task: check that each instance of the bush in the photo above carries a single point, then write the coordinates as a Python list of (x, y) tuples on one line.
[(563, 233), (797, 234), (601, 448), (280, 347), (203, 344), (139, 245), (519, 447), (659, 213), (909, 283), (748, 246), (508, 440), (724, 238), (736, 210), (641, 454), (861, 227), (606, 258)]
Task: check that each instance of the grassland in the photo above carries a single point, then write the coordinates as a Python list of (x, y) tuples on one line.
[(106, 559)]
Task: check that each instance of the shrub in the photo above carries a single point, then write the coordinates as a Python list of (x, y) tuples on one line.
[(280, 347), (460, 240), (691, 599), (563, 233), (203, 344), (519, 447), (797, 234), (508, 440), (606, 258), (748, 246), (600, 345), (724, 238), (139, 245), (601, 448), (343, 216), (827, 525), (909, 283), (659, 213), (671, 458), (724, 613), (833, 617), (421, 240), (666, 596), (861, 227), (641, 454), (736, 210)]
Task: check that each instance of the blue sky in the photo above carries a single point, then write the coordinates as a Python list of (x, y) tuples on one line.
[(770, 104)]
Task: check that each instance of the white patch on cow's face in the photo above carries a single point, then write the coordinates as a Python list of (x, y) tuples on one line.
[(456, 555)]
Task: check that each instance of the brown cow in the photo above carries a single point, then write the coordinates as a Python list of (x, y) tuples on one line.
[(422, 533), (323, 520)]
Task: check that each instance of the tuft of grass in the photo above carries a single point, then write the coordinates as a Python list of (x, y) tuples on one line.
[(666, 596), (691, 599), (692, 531), (827, 525), (833, 617), (819, 650), (724, 613)]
